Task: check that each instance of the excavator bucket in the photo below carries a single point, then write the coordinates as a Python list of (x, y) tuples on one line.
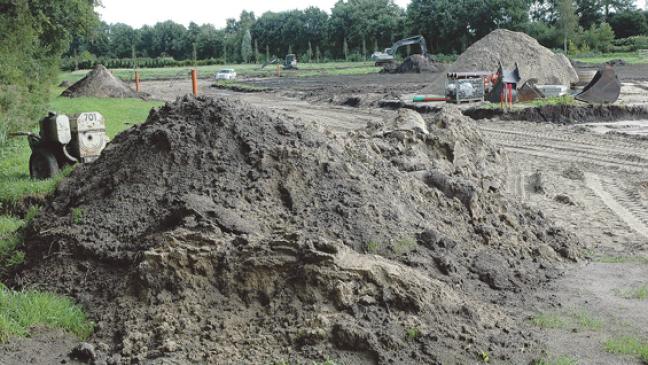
[(503, 77), (603, 89), (529, 91)]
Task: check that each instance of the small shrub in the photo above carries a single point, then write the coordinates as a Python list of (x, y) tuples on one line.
[(413, 333), (77, 215)]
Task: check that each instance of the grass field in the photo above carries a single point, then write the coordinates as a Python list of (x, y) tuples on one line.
[(244, 70), (628, 57)]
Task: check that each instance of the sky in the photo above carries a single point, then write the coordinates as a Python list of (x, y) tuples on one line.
[(139, 12)]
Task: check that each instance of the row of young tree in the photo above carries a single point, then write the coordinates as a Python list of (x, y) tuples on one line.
[(355, 28)]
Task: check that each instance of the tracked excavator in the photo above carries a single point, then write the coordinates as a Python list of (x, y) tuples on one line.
[(387, 60)]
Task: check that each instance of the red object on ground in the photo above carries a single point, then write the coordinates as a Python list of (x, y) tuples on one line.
[(194, 81)]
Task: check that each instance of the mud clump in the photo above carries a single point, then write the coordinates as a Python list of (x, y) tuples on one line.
[(218, 231), (101, 83), (534, 60), (418, 63)]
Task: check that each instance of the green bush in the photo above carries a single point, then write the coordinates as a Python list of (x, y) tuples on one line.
[(631, 44), (71, 63)]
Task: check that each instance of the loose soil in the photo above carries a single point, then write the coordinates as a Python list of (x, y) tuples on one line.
[(269, 239), (100, 83)]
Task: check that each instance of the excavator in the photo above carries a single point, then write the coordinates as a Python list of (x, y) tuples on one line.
[(386, 59)]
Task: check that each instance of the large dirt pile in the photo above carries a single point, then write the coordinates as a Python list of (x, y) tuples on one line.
[(534, 60), (100, 83), (217, 232)]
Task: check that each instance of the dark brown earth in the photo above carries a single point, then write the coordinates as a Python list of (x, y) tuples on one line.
[(269, 239)]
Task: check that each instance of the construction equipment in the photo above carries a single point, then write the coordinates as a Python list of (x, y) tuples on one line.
[(289, 63), (465, 86), (504, 89), (603, 89), (61, 142), (386, 59)]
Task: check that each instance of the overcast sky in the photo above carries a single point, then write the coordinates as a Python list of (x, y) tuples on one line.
[(139, 12)]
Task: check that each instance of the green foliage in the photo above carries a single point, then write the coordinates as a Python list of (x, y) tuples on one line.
[(548, 320), (77, 215), (373, 247), (629, 23), (628, 345), (413, 333), (19, 311), (404, 246), (598, 37), (246, 47), (34, 35), (575, 319)]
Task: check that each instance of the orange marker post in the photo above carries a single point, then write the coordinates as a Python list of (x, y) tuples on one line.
[(194, 81)]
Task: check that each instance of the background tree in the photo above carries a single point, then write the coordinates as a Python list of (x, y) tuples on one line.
[(246, 46), (567, 20)]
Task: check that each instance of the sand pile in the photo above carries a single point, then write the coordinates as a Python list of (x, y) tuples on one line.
[(417, 64), (100, 83), (219, 232), (534, 60)]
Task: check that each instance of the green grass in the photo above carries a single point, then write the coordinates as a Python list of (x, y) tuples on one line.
[(19, 311), (404, 246), (628, 345), (629, 57), (548, 320), (413, 333), (373, 247), (576, 319), (9, 225), (639, 293), (244, 70)]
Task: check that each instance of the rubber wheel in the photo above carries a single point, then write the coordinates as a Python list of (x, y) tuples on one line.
[(42, 165)]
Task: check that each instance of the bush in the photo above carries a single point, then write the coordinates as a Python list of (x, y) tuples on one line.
[(631, 44), (71, 64), (598, 38)]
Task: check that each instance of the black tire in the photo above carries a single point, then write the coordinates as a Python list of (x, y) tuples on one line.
[(42, 164)]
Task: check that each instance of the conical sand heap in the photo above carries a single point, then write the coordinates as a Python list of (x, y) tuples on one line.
[(100, 83)]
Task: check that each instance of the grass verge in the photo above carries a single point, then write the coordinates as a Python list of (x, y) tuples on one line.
[(19, 311), (628, 345)]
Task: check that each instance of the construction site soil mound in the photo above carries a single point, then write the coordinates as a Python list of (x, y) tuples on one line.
[(220, 232), (534, 60), (418, 63), (101, 83)]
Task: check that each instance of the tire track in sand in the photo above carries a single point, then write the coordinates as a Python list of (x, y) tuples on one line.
[(622, 204)]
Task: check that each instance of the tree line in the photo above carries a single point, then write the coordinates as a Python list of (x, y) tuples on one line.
[(356, 28), (34, 34)]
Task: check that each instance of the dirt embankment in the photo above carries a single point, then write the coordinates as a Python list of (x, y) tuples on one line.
[(217, 230)]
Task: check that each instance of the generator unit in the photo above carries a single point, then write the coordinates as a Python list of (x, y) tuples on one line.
[(465, 86), (61, 142)]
